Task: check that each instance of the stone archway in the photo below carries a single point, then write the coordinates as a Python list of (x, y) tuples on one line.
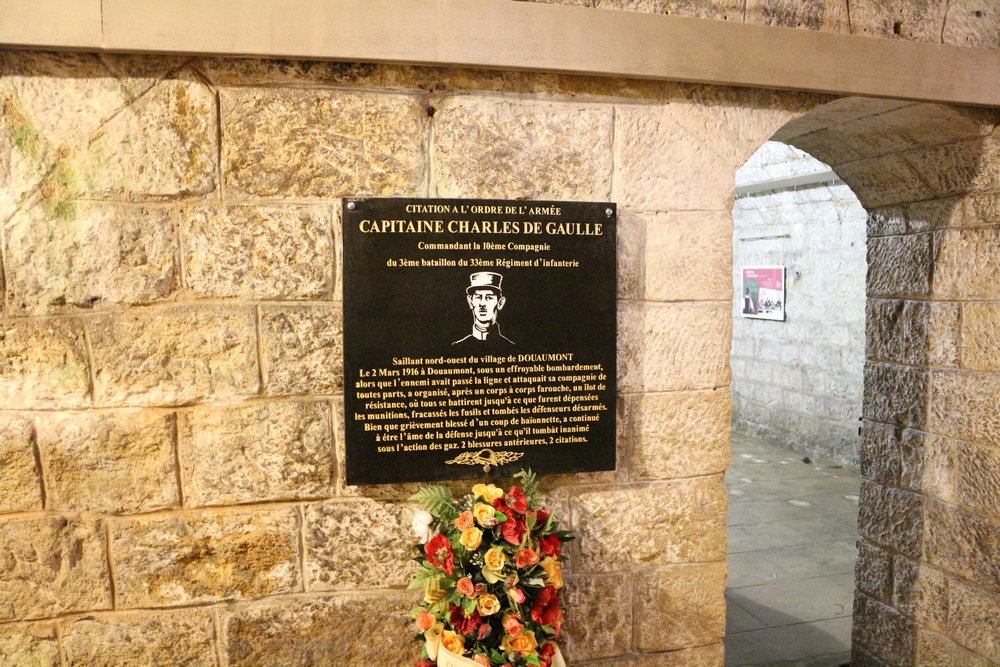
[(927, 579)]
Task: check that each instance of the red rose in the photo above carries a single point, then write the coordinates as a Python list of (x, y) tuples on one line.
[(545, 610), (517, 501), (425, 663), (513, 531), (439, 553), (484, 631), (550, 546), (500, 506), (463, 624)]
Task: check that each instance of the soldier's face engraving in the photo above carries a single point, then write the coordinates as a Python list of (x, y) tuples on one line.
[(485, 305)]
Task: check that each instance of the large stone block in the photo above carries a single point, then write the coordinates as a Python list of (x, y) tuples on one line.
[(162, 146), (648, 525), (879, 454), (920, 592), (631, 238), (52, 565), (174, 356), (255, 252), (663, 167), (967, 262), (105, 255), (916, 333), (883, 631), (20, 483), (881, 181), (302, 348), (280, 143), (358, 544), (981, 336), (892, 518), (43, 364), (711, 655), (965, 405), (917, 21), (873, 571), (585, 639), (159, 638), (254, 453), (547, 150), (187, 558), (668, 347), (680, 606), (900, 266), (895, 395), (959, 167), (323, 631), (935, 650), (823, 15), (972, 23), (689, 257), (108, 462), (682, 434), (974, 619), (963, 542), (29, 644), (977, 477)]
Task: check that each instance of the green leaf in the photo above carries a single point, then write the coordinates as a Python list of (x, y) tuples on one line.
[(501, 517), (533, 660), (424, 574), (438, 500), (529, 487)]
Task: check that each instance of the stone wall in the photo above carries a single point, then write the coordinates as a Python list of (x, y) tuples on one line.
[(798, 383), (170, 351)]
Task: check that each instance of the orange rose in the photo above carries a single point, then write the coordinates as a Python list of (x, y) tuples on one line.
[(424, 620), (481, 660), (495, 558), (453, 642), (553, 572), (526, 557), (484, 515), (512, 625), (465, 587), (464, 520), (487, 604), (524, 642), (471, 538)]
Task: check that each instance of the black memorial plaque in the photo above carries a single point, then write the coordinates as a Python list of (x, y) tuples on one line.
[(478, 335)]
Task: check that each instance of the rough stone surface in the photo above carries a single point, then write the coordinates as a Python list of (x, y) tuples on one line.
[(548, 150), (895, 395), (174, 356), (254, 453), (680, 434), (323, 632), (29, 644), (20, 483), (882, 630), (582, 639), (703, 656), (824, 15), (302, 349), (898, 19), (880, 457), (321, 143), (358, 544), (108, 462), (972, 23), (962, 542), (661, 166), (681, 606), (187, 559), (162, 146), (900, 266), (259, 252), (688, 257), (957, 168), (161, 638), (104, 255), (631, 238), (891, 518), (973, 619), (981, 337), (43, 364), (965, 405), (977, 472), (682, 521), (920, 592), (667, 347), (916, 333), (873, 571), (881, 181), (967, 263), (52, 565), (935, 650)]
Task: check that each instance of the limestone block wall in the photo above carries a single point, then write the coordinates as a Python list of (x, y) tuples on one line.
[(798, 383)]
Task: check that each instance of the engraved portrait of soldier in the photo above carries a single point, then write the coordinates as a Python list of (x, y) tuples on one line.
[(486, 299)]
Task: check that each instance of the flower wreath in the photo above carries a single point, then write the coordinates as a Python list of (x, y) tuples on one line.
[(489, 567)]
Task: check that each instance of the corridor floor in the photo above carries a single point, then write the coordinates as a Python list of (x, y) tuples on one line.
[(792, 533)]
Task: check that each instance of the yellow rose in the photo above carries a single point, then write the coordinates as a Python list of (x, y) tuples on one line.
[(488, 492), (495, 558), (471, 538), (484, 515), (523, 642), (553, 572), (487, 604), (453, 642)]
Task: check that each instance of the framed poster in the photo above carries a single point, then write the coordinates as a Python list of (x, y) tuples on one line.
[(479, 335), (762, 293)]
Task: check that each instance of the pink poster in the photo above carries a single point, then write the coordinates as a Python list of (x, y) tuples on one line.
[(763, 292)]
